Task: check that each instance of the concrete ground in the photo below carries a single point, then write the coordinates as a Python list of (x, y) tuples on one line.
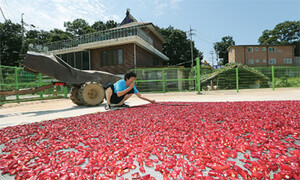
[(35, 111)]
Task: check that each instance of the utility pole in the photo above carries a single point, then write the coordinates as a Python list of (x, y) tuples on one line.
[(191, 36), (22, 23), (212, 57)]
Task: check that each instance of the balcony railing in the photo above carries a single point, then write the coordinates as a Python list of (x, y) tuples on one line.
[(91, 38)]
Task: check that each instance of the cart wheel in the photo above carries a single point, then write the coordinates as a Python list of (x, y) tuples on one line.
[(74, 96), (91, 94)]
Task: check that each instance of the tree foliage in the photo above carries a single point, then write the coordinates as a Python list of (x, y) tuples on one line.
[(78, 27), (10, 43), (221, 48), (286, 33), (178, 47)]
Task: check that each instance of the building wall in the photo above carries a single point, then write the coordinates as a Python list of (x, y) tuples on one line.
[(156, 42), (240, 54), (128, 60), (143, 58)]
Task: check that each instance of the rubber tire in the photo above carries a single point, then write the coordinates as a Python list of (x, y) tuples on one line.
[(74, 96), (91, 94)]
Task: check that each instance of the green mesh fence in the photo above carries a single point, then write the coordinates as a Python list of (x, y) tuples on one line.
[(287, 77), (164, 80), (14, 78), (232, 76)]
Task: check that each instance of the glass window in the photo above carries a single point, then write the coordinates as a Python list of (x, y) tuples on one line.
[(250, 49), (287, 61), (250, 61), (271, 49), (104, 58), (78, 60), (264, 60), (256, 49), (263, 48), (257, 60), (85, 60), (272, 61), (112, 57), (120, 56)]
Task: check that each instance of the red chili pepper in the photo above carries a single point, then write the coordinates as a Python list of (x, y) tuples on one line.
[(142, 169)]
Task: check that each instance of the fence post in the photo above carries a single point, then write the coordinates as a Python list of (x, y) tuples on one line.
[(40, 84), (164, 80), (237, 79), (17, 81), (273, 79), (198, 74), (65, 91)]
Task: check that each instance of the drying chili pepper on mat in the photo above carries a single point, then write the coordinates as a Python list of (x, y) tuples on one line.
[(168, 140)]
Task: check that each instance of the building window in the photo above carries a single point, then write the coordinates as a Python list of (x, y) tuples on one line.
[(272, 61), (79, 60), (250, 61), (250, 49), (271, 49), (112, 57), (287, 61), (280, 50), (263, 48), (230, 50), (257, 60), (264, 60), (256, 49)]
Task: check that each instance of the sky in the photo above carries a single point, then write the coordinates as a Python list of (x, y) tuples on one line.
[(244, 20)]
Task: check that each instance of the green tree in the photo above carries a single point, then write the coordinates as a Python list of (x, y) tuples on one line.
[(178, 47), (286, 33), (58, 35), (99, 26), (221, 48), (78, 27), (10, 43), (111, 24)]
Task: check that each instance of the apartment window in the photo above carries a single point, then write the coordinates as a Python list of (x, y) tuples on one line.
[(112, 57), (263, 48), (287, 61), (257, 60), (264, 60), (250, 49), (256, 49), (272, 61), (250, 61), (280, 50), (230, 50), (271, 49)]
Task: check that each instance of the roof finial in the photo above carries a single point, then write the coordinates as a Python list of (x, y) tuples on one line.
[(127, 12)]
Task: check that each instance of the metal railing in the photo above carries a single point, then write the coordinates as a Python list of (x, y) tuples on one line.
[(92, 38), (14, 78)]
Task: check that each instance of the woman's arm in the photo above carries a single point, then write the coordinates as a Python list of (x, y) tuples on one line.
[(144, 98)]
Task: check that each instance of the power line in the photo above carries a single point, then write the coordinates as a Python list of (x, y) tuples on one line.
[(3, 14), (9, 11), (203, 39)]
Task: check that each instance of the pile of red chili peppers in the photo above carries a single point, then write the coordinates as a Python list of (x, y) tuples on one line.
[(223, 140)]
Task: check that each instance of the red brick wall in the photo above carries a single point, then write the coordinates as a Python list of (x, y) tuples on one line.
[(128, 60), (156, 42), (145, 58)]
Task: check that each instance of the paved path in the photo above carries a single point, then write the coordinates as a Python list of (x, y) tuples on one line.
[(28, 112)]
